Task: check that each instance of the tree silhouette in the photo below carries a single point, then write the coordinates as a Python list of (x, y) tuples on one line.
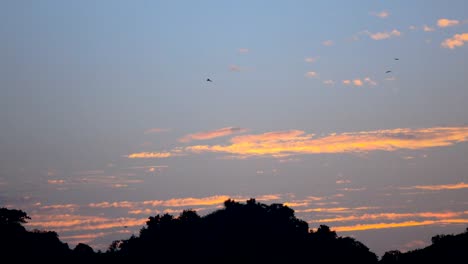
[(246, 233), (444, 249), (15, 240), (249, 232)]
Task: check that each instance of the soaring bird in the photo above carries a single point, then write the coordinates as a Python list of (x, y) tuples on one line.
[(209, 80), (388, 71), (396, 58)]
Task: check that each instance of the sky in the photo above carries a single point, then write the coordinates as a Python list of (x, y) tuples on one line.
[(354, 114)]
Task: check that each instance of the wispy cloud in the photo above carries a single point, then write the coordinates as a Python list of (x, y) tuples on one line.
[(369, 81), (328, 43), (342, 181), (243, 50), (226, 131), (457, 40), (68, 222), (329, 82), (311, 74), (61, 207), (155, 130), (383, 35), (284, 143), (336, 209), (234, 68), (444, 22), (55, 181), (311, 59), (381, 14), (427, 28), (414, 244), (455, 186), (150, 155)]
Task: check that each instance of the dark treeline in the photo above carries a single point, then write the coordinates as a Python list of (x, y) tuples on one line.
[(239, 233)]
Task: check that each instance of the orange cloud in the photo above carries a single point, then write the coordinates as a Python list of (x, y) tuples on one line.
[(455, 186), (284, 143), (357, 82), (361, 227), (71, 222), (393, 216), (150, 155), (457, 40), (212, 134), (184, 202), (444, 22), (384, 35), (310, 59)]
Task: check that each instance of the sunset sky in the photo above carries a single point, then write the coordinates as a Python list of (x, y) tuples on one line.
[(353, 113)]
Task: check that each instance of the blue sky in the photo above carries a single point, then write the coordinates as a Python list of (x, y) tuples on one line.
[(107, 117)]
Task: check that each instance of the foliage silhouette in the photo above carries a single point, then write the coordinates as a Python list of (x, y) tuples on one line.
[(444, 249), (244, 233), (248, 232)]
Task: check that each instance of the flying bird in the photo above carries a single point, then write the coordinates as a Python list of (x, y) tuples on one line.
[(396, 58), (209, 80), (388, 71)]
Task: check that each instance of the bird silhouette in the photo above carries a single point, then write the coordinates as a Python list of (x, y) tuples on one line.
[(397, 59), (209, 80), (388, 71)]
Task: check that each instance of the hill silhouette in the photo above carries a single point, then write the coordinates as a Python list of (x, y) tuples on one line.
[(248, 232)]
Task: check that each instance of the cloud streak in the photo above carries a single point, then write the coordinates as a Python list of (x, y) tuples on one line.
[(455, 186), (226, 131), (290, 142), (150, 155), (394, 216), (362, 227)]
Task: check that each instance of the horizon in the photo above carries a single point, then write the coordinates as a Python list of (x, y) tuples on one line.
[(352, 114)]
